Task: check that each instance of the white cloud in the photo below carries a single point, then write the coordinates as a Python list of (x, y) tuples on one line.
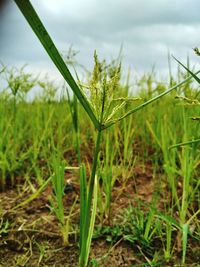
[(146, 28)]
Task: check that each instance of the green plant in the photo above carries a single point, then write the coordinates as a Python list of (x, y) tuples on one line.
[(106, 175), (56, 200), (87, 222), (140, 227), (73, 106), (112, 234), (180, 168), (187, 164), (102, 106), (4, 227)]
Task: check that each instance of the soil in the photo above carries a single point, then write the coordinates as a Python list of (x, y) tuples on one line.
[(32, 237)]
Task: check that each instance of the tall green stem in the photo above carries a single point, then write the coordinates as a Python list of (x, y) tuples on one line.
[(87, 220), (96, 153), (94, 167)]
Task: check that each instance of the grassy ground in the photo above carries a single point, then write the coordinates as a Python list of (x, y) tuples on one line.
[(148, 195)]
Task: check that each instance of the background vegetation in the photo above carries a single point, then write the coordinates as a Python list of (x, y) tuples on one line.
[(148, 186)]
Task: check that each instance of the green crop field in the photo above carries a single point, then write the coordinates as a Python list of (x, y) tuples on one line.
[(94, 174)]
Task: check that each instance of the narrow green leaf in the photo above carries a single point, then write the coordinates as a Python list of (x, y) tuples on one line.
[(36, 194), (41, 189), (185, 143), (192, 73), (168, 219), (153, 133), (34, 21), (83, 204), (93, 215), (146, 103), (185, 229)]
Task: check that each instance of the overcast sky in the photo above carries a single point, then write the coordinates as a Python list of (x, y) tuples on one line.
[(147, 29)]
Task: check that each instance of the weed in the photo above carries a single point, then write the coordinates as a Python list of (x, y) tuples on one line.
[(36, 141)]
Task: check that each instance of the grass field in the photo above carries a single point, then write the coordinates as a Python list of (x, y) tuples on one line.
[(147, 191), (98, 176)]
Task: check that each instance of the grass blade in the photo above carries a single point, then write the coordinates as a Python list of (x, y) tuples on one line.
[(34, 21), (36, 194), (147, 103), (193, 74), (168, 219), (185, 143), (93, 215), (185, 230), (83, 203)]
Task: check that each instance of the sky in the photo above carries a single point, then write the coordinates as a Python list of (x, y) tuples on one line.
[(147, 30)]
